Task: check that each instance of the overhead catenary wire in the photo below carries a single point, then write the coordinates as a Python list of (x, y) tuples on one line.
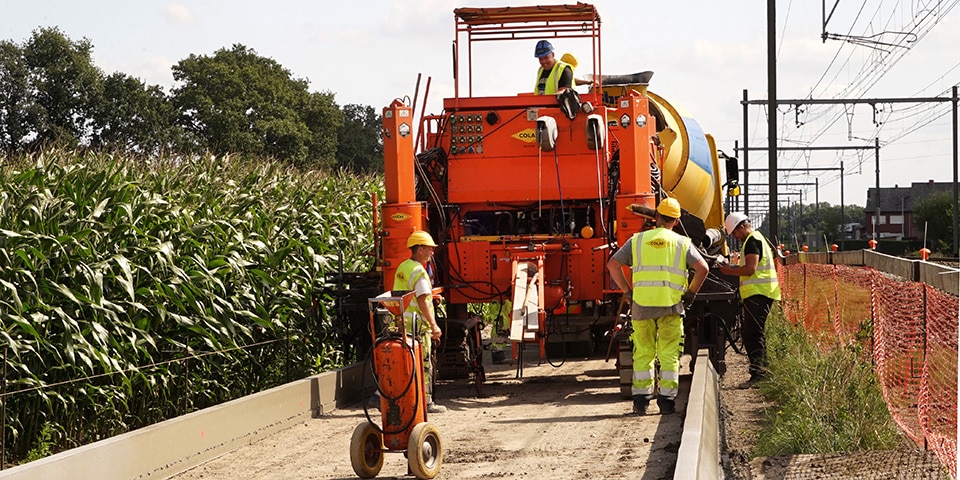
[(892, 124)]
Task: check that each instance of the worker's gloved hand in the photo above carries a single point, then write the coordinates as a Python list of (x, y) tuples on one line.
[(688, 298)]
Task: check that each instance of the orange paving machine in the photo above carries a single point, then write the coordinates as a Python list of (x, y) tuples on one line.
[(528, 195)]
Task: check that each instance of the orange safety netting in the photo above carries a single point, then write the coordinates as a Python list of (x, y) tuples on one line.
[(909, 328)]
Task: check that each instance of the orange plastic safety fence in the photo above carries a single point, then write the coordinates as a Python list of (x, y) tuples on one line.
[(855, 301), (791, 290), (938, 388), (898, 343), (820, 299), (914, 341)]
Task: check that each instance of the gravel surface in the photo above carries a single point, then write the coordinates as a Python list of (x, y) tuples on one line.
[(554, 423)]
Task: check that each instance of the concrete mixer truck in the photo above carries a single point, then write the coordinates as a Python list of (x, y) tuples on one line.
[(528, 196)]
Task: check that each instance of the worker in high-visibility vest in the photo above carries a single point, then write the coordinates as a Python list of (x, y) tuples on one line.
[(419, 317), (759, 288), (554, 75), (659, 260)]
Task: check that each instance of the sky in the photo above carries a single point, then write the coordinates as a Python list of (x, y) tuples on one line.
[(704, 53)]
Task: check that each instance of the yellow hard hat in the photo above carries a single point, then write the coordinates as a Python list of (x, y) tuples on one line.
[(568, 58), (420, 237), (669, 207)]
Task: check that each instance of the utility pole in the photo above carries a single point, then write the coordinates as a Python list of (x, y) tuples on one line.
[(746, 156), (772, 110), (876, 217), (956, 230), (843, 218)]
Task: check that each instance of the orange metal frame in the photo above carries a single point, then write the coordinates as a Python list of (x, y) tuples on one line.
[(498, 196), (523, 23)]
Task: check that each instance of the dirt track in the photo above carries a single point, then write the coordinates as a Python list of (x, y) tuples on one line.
[(559, 423)]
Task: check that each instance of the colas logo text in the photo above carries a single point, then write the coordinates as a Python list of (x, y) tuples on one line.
[(657, 243)]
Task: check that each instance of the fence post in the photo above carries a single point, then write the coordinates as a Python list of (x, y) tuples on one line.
[(803, 298), (923, 367), (873, 319)]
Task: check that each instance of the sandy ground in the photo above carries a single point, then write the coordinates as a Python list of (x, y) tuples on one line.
[(554, 423)]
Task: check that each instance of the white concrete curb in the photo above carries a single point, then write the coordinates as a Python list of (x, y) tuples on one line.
[(699, 454)]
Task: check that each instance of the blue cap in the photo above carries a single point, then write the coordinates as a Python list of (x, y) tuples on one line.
[(543, 49)]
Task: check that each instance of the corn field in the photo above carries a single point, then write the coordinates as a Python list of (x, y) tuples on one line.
[(133, 291)]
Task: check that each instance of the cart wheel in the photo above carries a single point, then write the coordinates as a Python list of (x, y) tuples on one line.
[(424, 451), (366, 451)]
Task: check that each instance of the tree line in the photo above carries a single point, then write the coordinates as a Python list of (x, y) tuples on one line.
[(800, 224), (235, 101)]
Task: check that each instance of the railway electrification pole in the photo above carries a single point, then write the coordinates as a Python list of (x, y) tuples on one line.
[(873, 102)]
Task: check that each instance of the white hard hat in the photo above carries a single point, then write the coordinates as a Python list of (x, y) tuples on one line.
[(734, 219)]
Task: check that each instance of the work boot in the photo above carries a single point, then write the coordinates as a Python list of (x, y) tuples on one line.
[(640, 403), (434, 407), (667, 405)]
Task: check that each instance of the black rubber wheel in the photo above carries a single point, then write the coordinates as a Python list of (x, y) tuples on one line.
[(424, 451), (366, 451)]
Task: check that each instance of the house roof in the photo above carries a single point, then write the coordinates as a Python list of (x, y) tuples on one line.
[(890, 198)]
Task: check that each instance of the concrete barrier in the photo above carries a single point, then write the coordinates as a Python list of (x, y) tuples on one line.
[(852, 257), (699, 454), (814, 257), (175, 445), (940, 277), (901, 267)]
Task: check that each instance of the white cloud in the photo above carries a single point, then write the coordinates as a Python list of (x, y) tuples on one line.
[(178, 13)]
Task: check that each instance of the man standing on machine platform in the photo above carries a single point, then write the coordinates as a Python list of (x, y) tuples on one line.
[(419, 317)]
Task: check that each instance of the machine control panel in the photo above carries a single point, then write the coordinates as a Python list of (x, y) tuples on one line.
[(466, 133)]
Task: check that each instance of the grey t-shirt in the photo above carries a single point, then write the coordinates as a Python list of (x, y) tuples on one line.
[(638, 312)]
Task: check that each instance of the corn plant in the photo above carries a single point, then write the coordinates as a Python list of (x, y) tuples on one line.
[(133, 290)]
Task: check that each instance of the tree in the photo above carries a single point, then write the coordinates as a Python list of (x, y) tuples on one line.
[(18, 111), (934, 214), (359, 143), (133, 117), (65, 84), (239, 102)]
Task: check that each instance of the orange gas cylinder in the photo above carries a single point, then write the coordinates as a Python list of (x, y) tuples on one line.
[(399, 370)]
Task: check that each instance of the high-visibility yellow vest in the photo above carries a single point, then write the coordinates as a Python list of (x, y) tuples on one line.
[(659, 267), (408, 274), (553, 79), (763, 281)]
